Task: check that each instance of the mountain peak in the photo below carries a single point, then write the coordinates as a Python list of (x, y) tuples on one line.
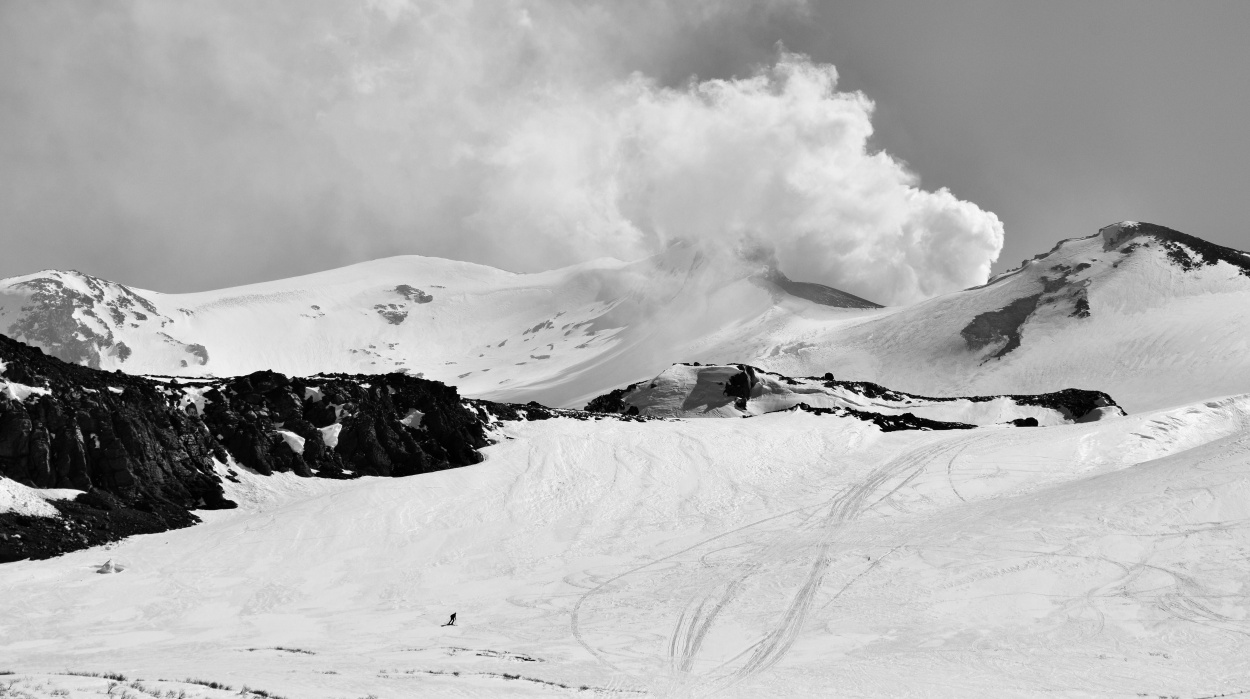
[(1186, 251)]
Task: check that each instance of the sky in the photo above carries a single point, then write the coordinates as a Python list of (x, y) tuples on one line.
[(893, 149)]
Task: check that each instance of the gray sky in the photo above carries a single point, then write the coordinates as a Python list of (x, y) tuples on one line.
[(195, 145)]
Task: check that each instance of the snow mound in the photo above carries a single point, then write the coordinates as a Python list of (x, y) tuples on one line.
[(558, 337), (739, 390)]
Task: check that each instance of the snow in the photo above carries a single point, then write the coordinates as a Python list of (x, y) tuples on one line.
[(786, 555), (699, 391), (294, 441), (24, 500), (413, 418), (20, 392), (330, 434), (194, 395), (16, 391)]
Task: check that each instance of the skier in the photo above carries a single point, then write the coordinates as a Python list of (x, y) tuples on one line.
[(452, 620)]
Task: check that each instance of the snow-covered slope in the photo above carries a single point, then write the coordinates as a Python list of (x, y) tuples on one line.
[(33, 502), (558, 336), (1151, 316), (785, 555), (739, 390)]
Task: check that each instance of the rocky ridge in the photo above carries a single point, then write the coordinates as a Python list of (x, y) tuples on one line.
[(741, 390)]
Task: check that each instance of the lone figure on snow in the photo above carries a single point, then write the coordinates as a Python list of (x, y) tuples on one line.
[(452, 620)]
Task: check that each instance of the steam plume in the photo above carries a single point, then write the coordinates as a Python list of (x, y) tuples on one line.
[(527, 134)]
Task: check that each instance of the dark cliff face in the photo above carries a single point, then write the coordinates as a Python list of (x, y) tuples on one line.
[(144, 450), (379, 425)]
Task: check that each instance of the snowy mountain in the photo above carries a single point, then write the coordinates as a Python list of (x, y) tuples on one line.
[(492, 333), (1152, 316), (1133, 302)]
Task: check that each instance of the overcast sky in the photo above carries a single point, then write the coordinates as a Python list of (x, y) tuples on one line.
[(888, 148)]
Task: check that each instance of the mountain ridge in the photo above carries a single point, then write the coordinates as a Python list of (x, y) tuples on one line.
[(564, 336)]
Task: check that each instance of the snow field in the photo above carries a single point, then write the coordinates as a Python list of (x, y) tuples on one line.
[(786, 555)]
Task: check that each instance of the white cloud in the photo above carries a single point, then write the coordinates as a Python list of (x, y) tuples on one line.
[(780, 157), (511, 133)]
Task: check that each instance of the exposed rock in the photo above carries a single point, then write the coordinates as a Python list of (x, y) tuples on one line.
[(818, 293), (739, 385), (74, 315), (199, 352), (888, 423), (613, 402), (1064, 287), (413, 294), (393, 313), (147, 452), (740, 390), (1000, 326)]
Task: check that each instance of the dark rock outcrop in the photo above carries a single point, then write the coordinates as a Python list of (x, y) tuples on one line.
[(818, 293), (74, 315), (413, 294), (888, 423), (739, 385), (1064, 287), (613, 402), (1073, 405), (145, 453), (1000, 326)]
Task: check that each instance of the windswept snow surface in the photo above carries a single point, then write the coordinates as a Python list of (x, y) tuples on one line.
[(786, 555)]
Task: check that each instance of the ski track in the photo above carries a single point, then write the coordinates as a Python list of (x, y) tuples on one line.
[(700, 614)]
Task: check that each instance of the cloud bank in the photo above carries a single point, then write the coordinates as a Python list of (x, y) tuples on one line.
[(526, 134)]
